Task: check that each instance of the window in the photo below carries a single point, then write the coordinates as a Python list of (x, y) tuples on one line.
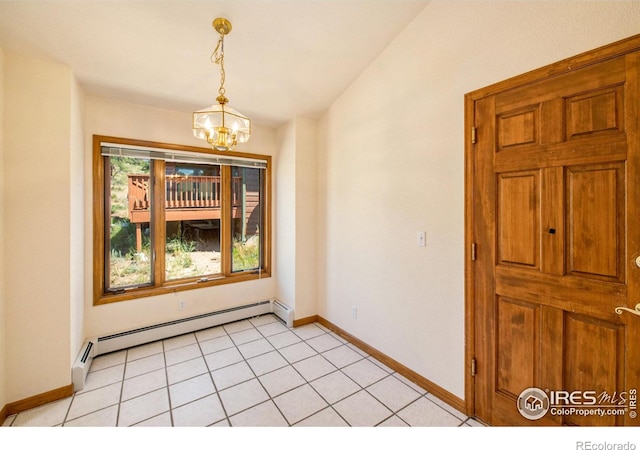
[(169, 218)]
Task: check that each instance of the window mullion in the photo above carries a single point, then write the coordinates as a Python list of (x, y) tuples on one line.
[(158, 223), (226, 213)]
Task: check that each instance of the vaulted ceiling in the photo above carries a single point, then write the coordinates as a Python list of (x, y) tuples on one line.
[(283, 59)]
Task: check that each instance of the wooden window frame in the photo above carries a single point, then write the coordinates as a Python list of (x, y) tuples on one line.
[(160, 285)]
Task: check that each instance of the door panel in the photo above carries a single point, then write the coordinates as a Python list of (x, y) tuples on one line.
[(516, 342), (553, 203), (518, 128), (598, 365), (595, 112), (595, 221), (518, 219)]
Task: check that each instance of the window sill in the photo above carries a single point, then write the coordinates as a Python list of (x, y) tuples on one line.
[(177, 286)]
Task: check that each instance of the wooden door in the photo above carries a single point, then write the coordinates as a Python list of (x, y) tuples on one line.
[(553, 197)]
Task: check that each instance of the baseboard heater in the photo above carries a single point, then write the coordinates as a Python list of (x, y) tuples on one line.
[(106, 344)]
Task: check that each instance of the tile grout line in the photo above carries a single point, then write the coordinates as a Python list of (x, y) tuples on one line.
[(329, 405), (161, 341), (166, 377), (288, 364), (203, 356), (65, 420), (217, 393), (388, 374), (339, 369), (66, 414), (270, 398), (308, 383), (260, 381), (124, 375)]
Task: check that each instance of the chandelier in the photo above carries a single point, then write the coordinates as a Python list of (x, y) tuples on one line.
[(221, 126)]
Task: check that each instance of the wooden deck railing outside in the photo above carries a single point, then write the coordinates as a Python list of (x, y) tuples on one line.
[(190, 198), (182, 192)]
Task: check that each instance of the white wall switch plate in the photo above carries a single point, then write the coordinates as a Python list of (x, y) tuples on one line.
[(422, 239)]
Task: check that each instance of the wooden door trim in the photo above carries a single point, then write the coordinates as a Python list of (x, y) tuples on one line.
[(598, 55), (573, 63)]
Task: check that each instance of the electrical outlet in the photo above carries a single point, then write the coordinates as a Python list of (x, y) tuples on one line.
[(181, 305), (422, 239), (354, 312)]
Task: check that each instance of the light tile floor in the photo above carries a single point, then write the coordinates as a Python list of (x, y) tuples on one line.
[(253, 372)]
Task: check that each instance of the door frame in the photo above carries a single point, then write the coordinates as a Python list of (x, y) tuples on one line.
[(579, 61)]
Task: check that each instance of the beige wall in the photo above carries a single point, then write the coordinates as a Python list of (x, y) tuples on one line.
[(37, 229), (77, 263), (391, 164), (306, 217), (285, 221), (296, 219), (3, 387), (110, 118)]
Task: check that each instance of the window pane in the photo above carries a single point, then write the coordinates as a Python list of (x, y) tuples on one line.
[(129, 205), (246, 195), (192, 210)]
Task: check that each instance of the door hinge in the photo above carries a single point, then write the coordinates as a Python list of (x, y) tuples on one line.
[(474, 132), (473, 367), (474, 254)]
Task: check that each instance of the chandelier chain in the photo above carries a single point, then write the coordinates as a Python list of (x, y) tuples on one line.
[(217, 57), (221, 126)]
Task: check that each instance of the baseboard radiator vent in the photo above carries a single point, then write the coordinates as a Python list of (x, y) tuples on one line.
[(283, 312), (106, 344)]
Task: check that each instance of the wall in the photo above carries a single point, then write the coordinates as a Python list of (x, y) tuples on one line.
[(306, 217), (296, 220), (37, 239), (111, 118), (3, 386), (76, 220), (391, 164), (285, 223)]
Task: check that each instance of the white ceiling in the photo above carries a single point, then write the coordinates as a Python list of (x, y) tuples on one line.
[(283, 59)]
